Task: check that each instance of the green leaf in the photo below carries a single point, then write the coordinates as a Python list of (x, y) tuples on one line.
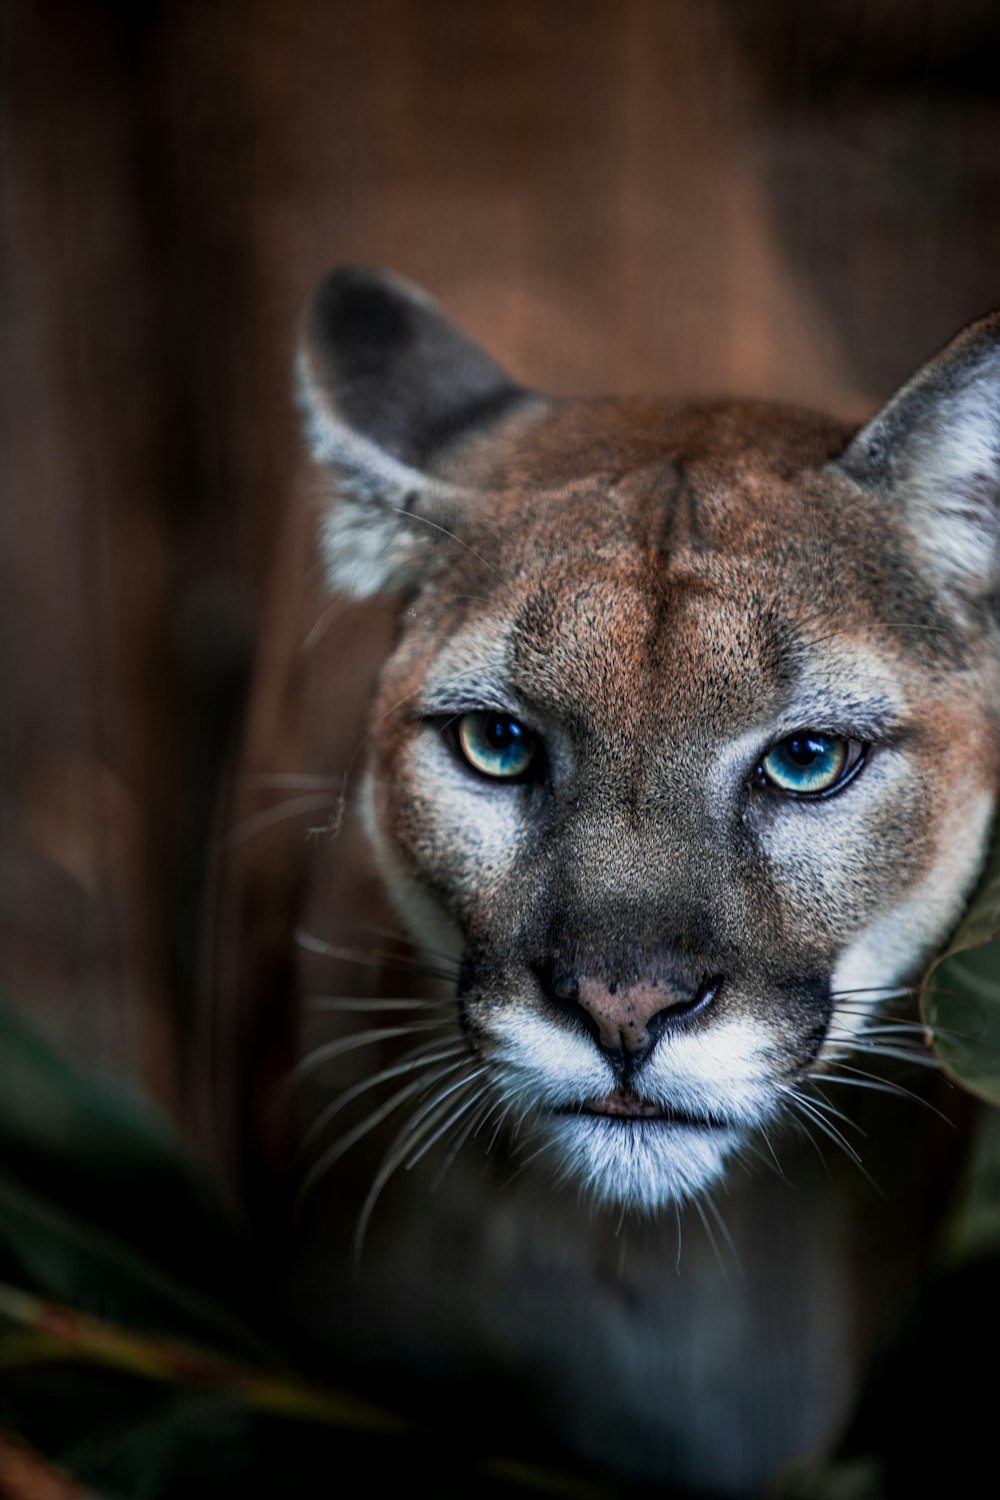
[(103, 1208), (961, 995), (131, 1310)]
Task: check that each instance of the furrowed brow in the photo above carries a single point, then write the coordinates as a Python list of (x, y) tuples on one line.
[(460, 692), (868, 715)]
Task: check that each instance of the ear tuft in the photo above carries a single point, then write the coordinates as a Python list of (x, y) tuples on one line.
[(935, 449)]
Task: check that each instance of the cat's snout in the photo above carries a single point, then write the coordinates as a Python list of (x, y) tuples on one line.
[(626, 1019)]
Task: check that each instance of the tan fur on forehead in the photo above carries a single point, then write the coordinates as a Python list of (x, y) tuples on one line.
[(658, 474), (557, 442)]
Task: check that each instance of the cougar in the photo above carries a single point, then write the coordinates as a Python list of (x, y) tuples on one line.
[(683, 764)]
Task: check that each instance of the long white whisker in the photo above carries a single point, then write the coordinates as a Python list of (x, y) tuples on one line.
[(470, 1128), (452, 1119), (381, 931), (802, 1125), (423, 1121), (412, 516), (723, 1228), (313, 944), (823, 1104), (326, 619), (270, 816), (876, 1084), (880, 1086), (805, 1106), (919, 1059), (923, 1031), (700, 1211), (810, 1108), (771, 1150), (499, 1103), (420, 1057), (878, 992), (294, 780), (329, 1050), (357, 1003), (323, 1163), (338, 809)]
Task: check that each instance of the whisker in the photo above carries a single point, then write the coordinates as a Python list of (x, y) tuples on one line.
[(874, 1023), (333, 1154), (882, 991), (423, 1121), (818, 1101), (925, 1029), (420, 1057), (811, 1109), (326, 619), (406, 961), (264, 780), (879, 1086), (713, 1208), (802, 1127), (815, 1114), (426, 521), (455, 1116), (355, 1003), (469, 1129), (874, 1026), (919, 1058), (382, 931), (882, 625), (336, 819), (771, 1151), (504, 1104), (271, 816), (327, 1051), (766, 1159), (876, 1084), (700, 1211), (525, 1163), (458, 1113)]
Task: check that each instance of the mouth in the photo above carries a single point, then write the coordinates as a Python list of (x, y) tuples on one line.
[(624, 1105), (632, 1153)]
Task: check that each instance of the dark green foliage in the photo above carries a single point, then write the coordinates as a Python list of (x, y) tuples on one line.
[(961, 999), (139, 1349)]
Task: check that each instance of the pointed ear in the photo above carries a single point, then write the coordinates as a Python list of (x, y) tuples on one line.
[(386, 385), (935, 450)]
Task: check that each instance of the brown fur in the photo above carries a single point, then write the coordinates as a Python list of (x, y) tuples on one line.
[(661, 594)]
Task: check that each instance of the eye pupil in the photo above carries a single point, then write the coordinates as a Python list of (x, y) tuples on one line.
[(501, 731), (805, 749)]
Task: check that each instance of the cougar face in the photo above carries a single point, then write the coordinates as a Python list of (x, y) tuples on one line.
[(689, 746)]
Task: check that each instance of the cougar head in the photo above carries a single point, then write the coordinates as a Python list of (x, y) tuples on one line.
[(688, 747)]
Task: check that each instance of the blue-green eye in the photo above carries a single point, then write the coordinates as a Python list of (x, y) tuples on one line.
[(496, 745), (809, 763)]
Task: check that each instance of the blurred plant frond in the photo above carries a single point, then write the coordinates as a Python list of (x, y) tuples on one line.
[(140, 1351), (961, 996)]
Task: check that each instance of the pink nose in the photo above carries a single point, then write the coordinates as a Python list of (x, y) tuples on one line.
[(623, 1016)]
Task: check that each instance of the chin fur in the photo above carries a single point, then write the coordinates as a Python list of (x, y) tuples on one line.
[(636, 1165)]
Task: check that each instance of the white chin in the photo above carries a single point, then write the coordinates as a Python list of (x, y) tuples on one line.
[(642, 1165)]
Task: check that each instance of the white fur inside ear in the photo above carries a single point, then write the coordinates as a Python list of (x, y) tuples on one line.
[(952, 484), (366, 542)]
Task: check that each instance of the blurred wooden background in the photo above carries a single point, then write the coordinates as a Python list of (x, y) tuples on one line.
[(762, 197)]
